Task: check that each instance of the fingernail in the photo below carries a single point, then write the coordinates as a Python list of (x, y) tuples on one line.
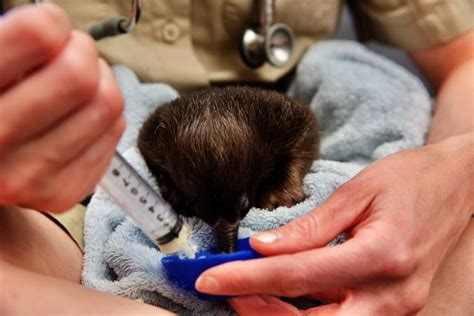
[(266, 238), (206, 284)]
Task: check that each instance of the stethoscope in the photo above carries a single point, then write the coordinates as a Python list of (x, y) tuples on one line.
[(264, 42), (267, 42), (116, 25)]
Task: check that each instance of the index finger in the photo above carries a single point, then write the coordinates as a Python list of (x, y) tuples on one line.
[(293, 275), (29, 37)]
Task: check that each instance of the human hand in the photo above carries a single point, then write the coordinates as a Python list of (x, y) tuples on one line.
[(402, 215), (60, 110)]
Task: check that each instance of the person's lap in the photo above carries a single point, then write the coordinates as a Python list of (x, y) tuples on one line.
[(34, 242)]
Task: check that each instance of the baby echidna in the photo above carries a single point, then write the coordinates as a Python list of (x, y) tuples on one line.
[(218, 152)]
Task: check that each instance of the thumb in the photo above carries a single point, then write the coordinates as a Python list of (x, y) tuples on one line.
[(318, 227)]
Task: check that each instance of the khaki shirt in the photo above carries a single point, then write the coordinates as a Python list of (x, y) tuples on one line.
[(194, 43)]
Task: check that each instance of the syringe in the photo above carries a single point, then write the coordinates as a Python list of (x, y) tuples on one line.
[(152, 214)]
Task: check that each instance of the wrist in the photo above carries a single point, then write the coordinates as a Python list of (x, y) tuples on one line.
[(455, 166), (459, 150)]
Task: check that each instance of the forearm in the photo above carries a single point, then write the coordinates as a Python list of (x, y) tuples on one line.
[(27, 293), (454, 108), (450, 69)]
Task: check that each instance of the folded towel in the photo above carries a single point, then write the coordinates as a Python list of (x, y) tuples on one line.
[(140, 100), (368, 107)]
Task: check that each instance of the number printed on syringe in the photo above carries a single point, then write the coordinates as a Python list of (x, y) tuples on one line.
[(134, 195), (142, 199)]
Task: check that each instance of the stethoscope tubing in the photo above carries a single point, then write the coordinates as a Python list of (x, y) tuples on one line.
[(267, 42)]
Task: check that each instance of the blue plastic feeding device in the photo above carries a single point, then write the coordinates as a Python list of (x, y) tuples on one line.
[(184, 272)]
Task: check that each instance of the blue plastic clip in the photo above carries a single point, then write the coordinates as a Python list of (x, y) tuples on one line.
[(185, 272)]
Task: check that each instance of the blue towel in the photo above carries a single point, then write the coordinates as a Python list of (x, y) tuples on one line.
[(367, 106)]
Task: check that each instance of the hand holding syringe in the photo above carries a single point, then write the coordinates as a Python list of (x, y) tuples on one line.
[(133, 194)]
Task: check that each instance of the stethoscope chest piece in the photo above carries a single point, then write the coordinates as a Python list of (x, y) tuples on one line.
[(267, 42), (279, 45), (251, 48), (276, 46)]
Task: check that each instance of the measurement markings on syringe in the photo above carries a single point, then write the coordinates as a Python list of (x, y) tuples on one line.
[(134, 190)]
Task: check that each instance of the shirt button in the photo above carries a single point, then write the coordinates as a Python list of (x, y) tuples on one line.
[(171, 32)]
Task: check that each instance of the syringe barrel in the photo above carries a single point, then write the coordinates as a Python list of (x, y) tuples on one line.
[(138, 199)]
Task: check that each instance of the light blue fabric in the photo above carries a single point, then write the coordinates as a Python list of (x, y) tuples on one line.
[(367, 106)]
